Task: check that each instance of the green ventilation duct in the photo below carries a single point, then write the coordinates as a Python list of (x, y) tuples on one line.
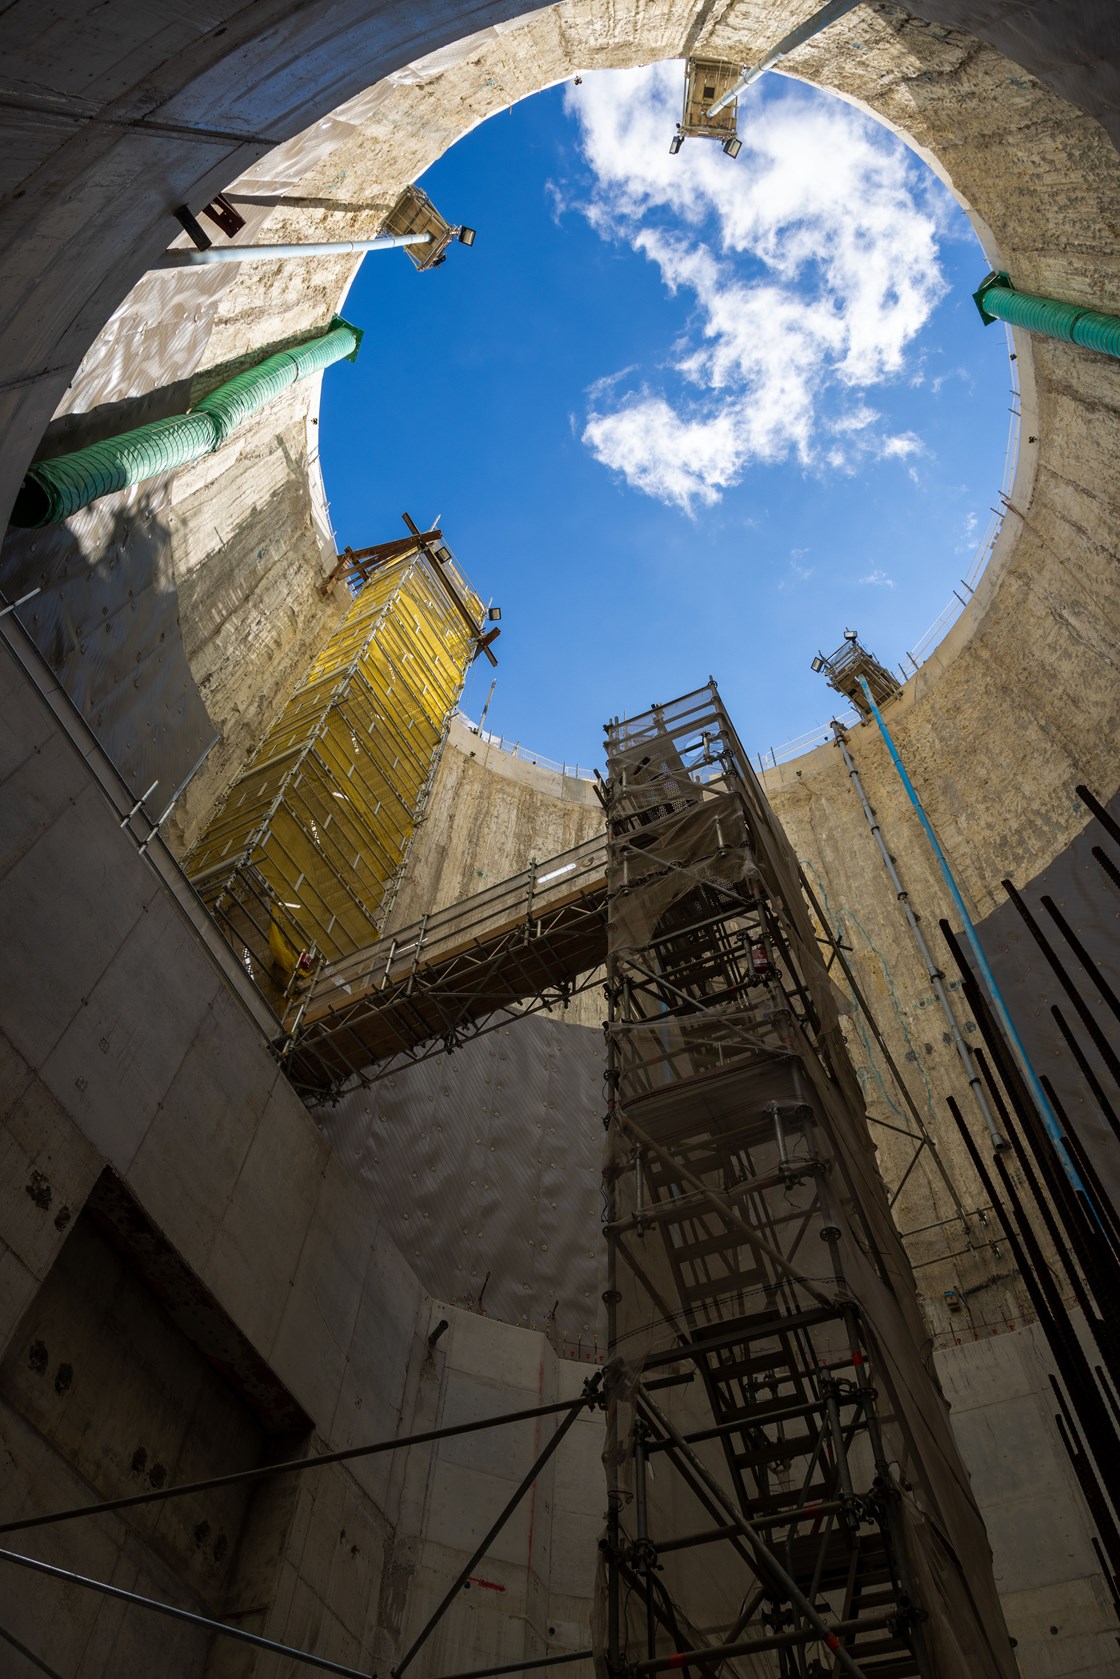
[(997, 300), (54, 489)]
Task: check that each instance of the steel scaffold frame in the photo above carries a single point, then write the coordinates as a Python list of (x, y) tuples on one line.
[(701, 1011), (721, 1078), (526, 944), (568, 1409)]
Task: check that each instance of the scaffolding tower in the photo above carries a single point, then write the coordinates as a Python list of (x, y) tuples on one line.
[(784, 1494), (851, 661), (301, 862)]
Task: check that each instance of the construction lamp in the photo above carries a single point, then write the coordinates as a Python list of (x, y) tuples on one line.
[(467, 235), (494, 614), (675, 144), (732, 145), (817, 665)]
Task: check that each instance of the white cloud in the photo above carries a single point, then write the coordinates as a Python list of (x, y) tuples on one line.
[(677, 460), (877, 580), (811, 263), (901, 447), (967, 541), (856, 419), (796, 572), (942, 379)]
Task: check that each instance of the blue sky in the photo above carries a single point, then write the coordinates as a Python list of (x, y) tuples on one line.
[(678, 416)]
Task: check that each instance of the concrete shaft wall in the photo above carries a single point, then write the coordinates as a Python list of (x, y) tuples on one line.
[(128, 1053), (125, 1048)]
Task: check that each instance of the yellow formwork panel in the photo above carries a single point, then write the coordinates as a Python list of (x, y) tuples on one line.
[(311, 839)]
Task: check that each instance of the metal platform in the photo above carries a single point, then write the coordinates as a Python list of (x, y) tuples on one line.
[(526, 944)]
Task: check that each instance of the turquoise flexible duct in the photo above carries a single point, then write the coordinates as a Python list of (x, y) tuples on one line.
[(997, 300), (54, 489)]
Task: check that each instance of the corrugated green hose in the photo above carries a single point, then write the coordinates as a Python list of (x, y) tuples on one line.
[(997, 300), (54, 489)]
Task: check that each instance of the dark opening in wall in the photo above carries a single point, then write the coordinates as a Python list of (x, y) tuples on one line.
[(126, 1376)]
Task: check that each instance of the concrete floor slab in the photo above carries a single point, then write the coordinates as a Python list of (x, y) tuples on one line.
[(47, 1169), (18, 1286), (25, 723), (463, 1503), (480, 1346), (209, 1112), (506, 1453)]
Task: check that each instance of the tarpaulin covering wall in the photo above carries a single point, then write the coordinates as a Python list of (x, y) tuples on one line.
[(484, 1170)]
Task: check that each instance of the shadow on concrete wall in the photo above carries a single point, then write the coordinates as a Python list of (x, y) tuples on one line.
[(107, 622)]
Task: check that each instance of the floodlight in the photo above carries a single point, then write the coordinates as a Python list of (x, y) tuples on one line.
[(442, 553), (732, 145), (467, 235), (675, 144), (851, 635), (817, 665), (494, 614)]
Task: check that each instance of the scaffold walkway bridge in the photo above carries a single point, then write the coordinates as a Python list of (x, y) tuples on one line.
[(527, 944)]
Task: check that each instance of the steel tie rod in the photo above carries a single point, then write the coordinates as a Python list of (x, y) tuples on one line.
[(177, 1614), (291, 1466), (588, 1398)]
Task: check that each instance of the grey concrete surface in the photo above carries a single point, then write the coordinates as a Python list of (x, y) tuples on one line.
[(122, 1046)]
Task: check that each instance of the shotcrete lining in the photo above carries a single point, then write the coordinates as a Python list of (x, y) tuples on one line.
[(339, 178)]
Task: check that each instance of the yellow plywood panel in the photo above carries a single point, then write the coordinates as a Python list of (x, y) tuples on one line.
[(310, 841)]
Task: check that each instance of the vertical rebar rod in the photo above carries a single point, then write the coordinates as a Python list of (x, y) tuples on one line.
[(1104, 1203), (1107, 1054), (1040, 1290), (1094, 806), (934, 973), (1085, 1068), (1038, 1094), (1099, 1308), (1083, 1234)]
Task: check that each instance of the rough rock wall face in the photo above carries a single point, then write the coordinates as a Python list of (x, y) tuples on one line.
[(490, 814), (1038, 175)]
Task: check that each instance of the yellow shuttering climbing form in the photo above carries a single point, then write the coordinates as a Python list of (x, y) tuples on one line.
[(305, 853)]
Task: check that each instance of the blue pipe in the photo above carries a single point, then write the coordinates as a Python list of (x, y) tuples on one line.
[(1042, 1101)]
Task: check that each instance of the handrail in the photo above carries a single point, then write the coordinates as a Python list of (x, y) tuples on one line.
[(135, 822), (530, 894), (515, 750)]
